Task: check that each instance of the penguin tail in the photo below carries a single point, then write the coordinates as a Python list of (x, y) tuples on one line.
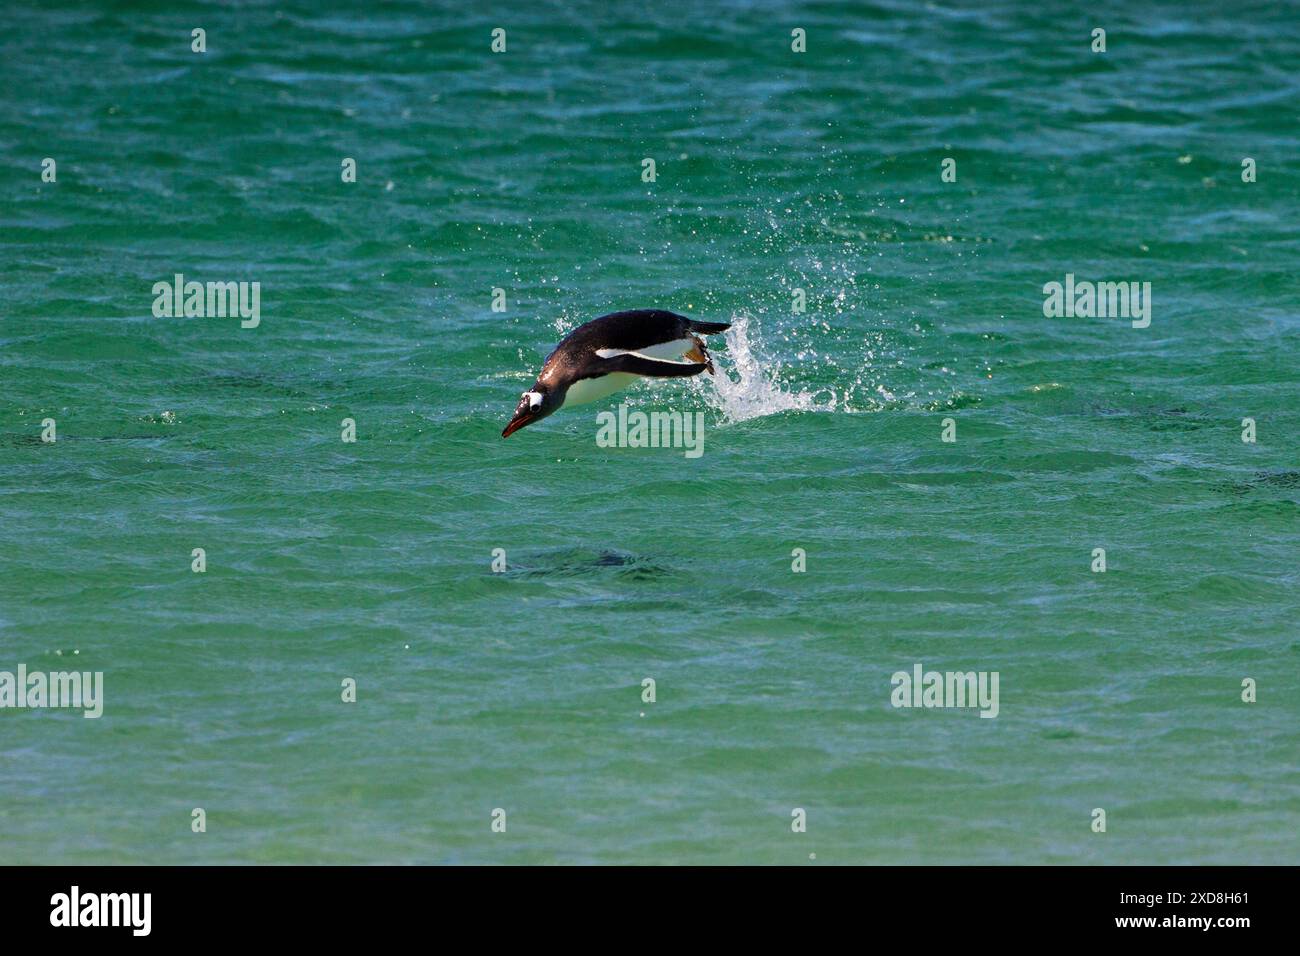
[(708, 328)]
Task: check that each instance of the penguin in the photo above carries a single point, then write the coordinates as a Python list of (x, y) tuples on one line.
[(609, 353)]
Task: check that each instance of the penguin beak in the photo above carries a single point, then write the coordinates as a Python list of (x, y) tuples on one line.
[(531, 407), (523, 416)]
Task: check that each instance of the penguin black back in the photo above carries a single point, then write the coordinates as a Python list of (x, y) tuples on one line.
[(633, 330)]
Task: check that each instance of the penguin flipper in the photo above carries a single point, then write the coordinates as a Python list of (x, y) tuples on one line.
[(653, 368)]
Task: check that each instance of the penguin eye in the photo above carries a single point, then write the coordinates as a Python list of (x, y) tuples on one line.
[(534, 400)]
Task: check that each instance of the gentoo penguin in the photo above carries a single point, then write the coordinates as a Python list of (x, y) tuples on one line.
[(609, 353)]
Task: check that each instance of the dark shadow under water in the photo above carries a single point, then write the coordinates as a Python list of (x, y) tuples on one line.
[(587, 562)]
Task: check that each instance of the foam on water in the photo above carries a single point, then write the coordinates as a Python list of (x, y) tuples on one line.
[(748, 381)]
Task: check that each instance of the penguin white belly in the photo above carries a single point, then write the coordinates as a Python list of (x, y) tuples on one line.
[(593, 389)]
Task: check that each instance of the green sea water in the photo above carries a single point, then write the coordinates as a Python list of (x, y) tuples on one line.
[(523, 689)]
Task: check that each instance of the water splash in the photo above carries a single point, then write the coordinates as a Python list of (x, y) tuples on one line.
[(748, 381)]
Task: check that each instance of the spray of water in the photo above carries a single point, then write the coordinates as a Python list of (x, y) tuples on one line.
[(748, 381)]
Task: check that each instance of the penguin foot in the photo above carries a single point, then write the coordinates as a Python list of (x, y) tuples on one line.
[(698, 353)]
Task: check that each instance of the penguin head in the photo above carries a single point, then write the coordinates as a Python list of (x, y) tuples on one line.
[(534, 404)]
